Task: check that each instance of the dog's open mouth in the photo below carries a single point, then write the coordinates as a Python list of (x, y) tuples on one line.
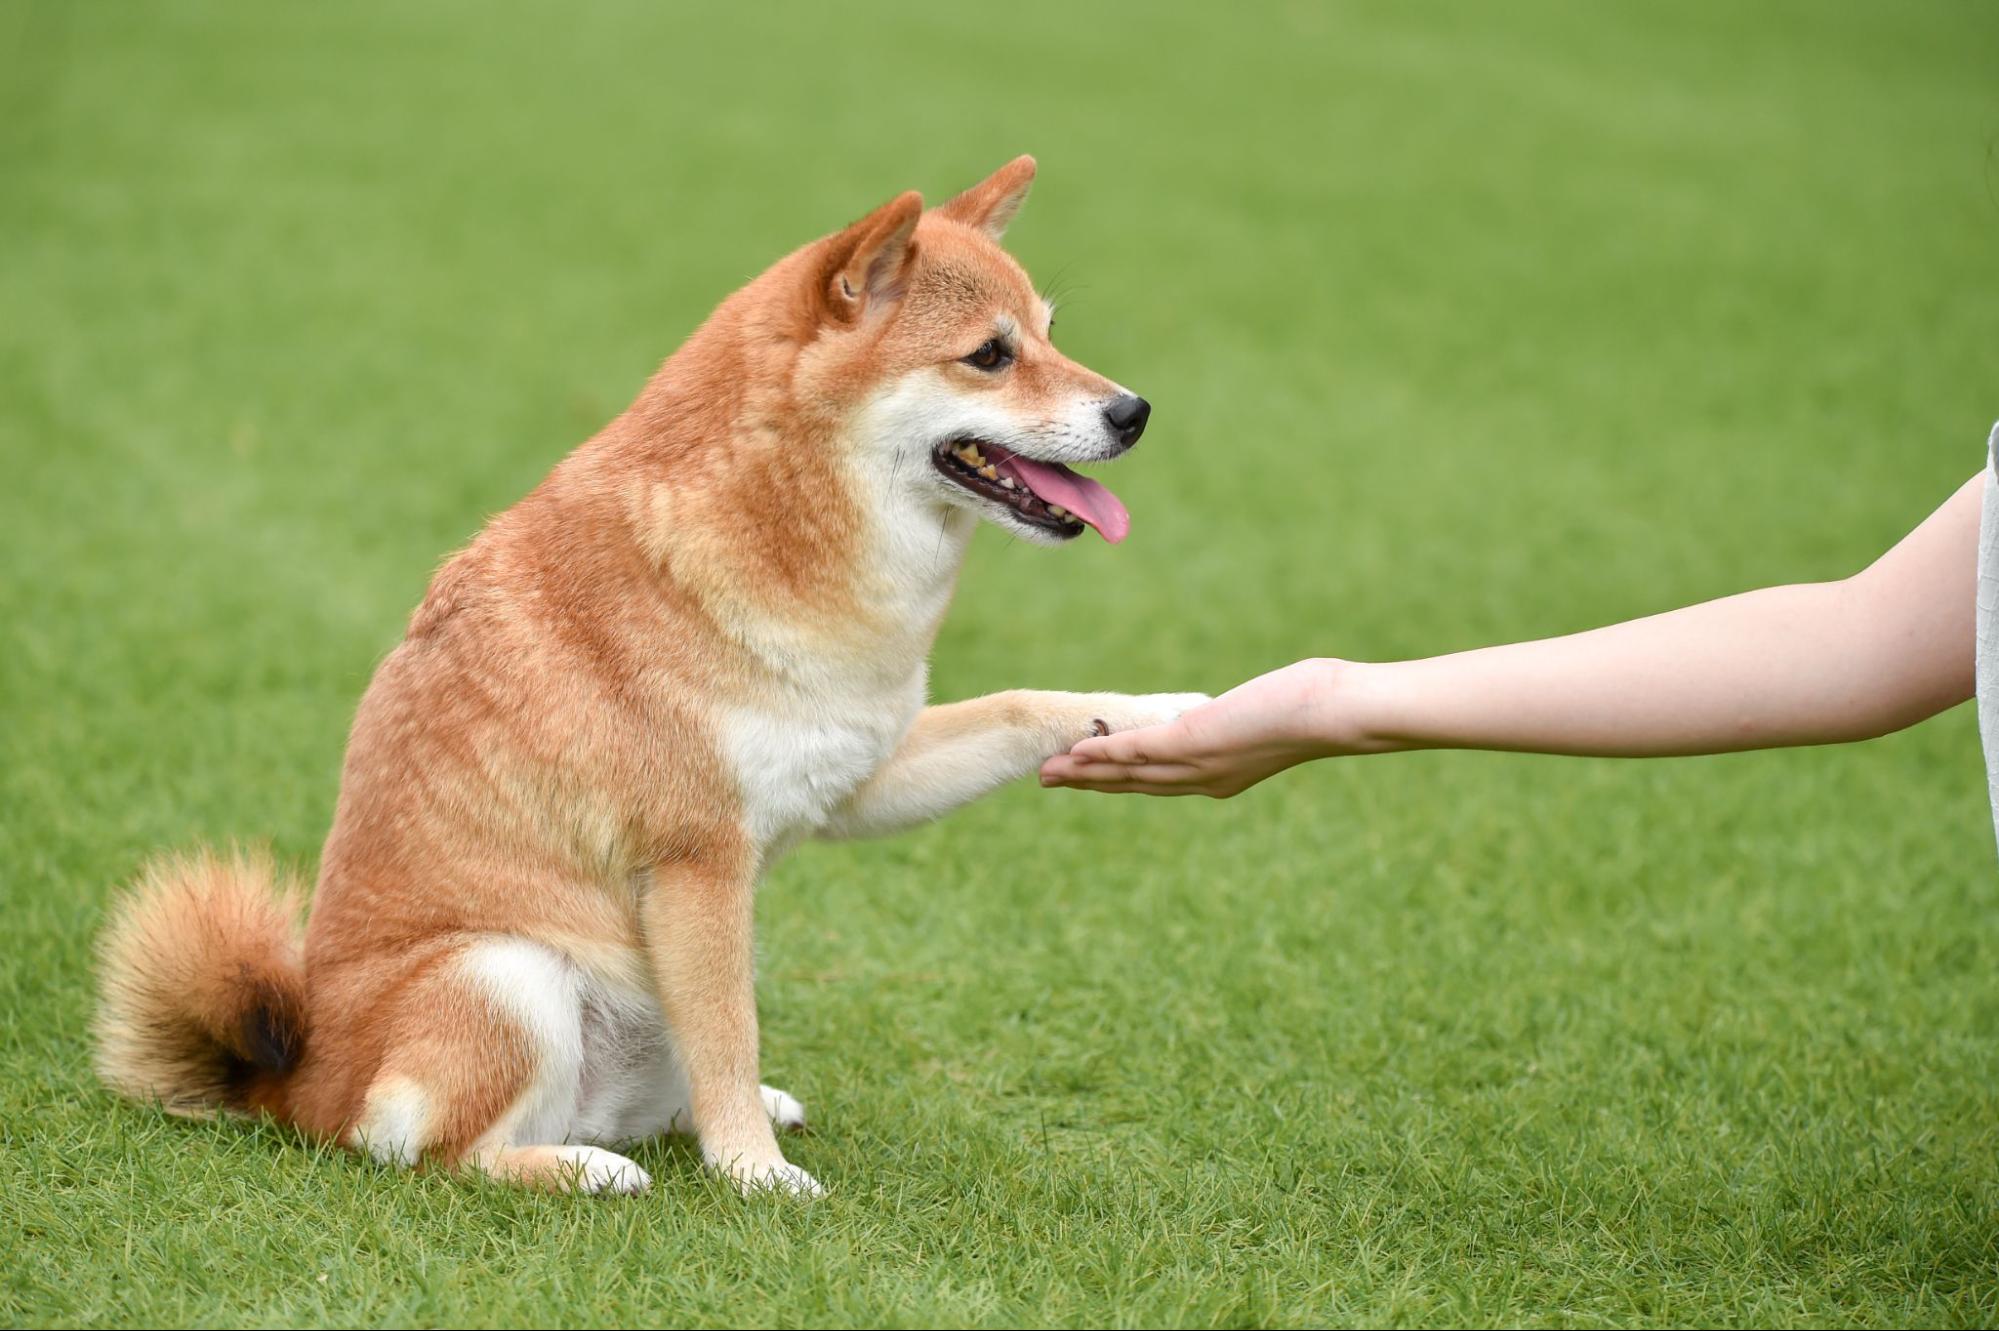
[(1044, 494)]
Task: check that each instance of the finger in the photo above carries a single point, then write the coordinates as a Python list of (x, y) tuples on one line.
[(1060, 770), (1063, 770), (1067, 767), (1128, 746), (1114, 787)]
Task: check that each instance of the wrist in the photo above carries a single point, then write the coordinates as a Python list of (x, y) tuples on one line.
[(1351, 710)]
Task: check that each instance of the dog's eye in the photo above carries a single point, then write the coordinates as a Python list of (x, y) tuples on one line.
[(991, 355)]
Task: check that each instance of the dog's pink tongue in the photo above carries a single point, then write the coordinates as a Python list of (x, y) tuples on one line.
[(1087, 499)]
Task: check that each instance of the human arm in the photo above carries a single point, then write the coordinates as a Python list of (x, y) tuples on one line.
[(1810, 663)]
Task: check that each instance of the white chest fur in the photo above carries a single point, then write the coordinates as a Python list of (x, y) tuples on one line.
[(799, 748), (797, 756)]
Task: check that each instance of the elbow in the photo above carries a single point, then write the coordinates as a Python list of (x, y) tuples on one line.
[(1908, 660)]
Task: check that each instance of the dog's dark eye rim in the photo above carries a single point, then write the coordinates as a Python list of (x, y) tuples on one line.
[(993, 354)]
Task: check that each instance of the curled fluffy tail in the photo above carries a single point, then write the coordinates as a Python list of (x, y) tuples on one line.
[(201, 1002)]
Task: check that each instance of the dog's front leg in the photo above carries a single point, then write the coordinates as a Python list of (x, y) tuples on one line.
[(699, 925), (958, 751)]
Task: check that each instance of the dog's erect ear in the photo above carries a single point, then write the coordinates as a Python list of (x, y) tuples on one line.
[(991, 204), (869, 261)]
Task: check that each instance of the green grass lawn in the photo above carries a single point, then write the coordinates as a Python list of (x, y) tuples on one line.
[(1460, 325)]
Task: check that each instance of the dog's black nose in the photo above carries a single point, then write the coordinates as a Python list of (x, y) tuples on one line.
[(1127, 417)]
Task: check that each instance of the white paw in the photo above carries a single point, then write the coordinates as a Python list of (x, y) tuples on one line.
[(788, 1179), (776, 1176), (784, 1111), (594, 1170), (1137, 711)]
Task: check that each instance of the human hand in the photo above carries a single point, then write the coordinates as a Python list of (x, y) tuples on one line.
[(1250, 733)]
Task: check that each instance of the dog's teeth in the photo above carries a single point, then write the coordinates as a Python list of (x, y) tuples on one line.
[(1007, 481), (1058, 510), (990, 473), (969, 455)]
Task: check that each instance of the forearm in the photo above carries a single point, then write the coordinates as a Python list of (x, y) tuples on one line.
[(1780, 666), (1814, 663)]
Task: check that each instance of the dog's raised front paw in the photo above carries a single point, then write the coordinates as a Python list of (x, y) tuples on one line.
[(1136, 711)]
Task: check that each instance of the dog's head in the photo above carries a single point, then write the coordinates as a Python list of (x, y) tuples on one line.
[(936, 348)]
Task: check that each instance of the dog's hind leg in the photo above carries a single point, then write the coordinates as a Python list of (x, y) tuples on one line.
[(485, 1069), (562, 1168), (786, 1114), (670, 1108)]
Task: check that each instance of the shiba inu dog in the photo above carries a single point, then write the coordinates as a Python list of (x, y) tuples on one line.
[(702, 639)]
